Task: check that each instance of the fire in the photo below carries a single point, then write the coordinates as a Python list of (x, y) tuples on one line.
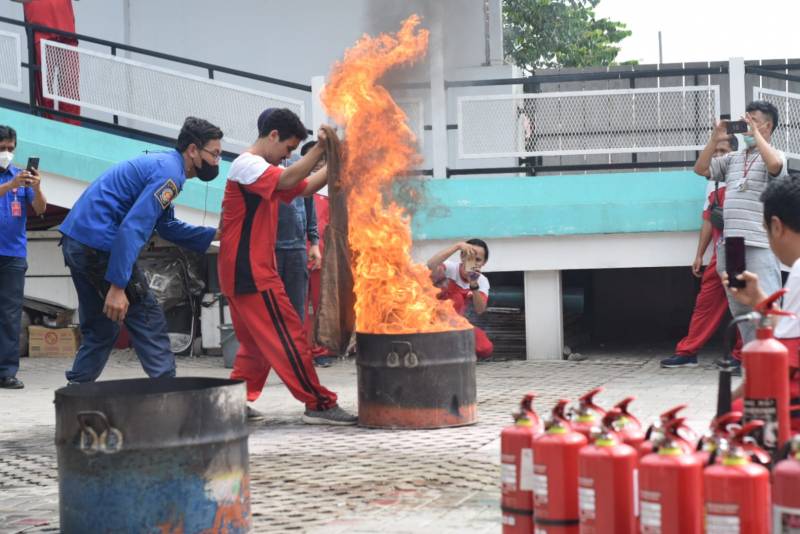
[(394, 295)]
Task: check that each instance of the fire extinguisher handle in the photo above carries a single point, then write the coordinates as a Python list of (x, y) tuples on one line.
[(526, 404), (747, 428), (559, 413), (721, 423), (672, 412), (672, 426), (587, 399), (765, 307), (623, 405), (611, 415)]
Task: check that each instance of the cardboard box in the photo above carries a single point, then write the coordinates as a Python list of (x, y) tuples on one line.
[(43, 341)]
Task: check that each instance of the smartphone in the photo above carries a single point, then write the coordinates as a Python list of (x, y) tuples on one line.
[(33, 163), (734, 260), (737, 127)]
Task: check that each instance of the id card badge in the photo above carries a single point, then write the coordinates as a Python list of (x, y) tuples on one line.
[(16, 208)]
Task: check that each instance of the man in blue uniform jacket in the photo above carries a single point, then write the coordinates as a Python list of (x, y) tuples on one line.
[(103, 234)]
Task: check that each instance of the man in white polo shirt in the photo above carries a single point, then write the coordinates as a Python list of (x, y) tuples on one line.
[(747, 174)]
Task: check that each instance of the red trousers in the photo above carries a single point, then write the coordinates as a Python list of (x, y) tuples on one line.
[(271, 336), (64, 68), (709, 310), (483, 345)]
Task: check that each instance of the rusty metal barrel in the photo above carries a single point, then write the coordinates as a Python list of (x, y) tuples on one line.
[(416, 380), (153, 455)]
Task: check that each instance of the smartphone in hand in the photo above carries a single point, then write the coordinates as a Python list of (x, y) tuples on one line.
[(734, 260), (736, 127), (33, 163)]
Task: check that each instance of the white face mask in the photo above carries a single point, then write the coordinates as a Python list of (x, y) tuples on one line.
[(5, 159)]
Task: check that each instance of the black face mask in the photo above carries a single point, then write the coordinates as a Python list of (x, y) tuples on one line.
[(206, 172)]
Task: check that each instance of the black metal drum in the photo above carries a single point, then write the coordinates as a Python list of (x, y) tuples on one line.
[(153, 455), (416, 380)]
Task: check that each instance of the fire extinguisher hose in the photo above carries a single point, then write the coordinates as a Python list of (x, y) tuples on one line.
[(726, 365)]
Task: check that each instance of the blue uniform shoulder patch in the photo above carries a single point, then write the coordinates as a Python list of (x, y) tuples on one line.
[(166, 193)]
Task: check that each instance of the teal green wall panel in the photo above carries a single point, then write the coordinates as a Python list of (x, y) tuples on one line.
[(83, 154), (496, 207)]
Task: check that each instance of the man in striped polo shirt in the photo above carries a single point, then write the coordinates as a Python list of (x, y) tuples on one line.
[(747, 174)]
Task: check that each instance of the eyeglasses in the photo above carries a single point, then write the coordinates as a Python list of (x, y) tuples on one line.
[(217, 156)]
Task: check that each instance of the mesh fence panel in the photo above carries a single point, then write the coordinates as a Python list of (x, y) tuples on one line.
[(153, 94), (787, 135), (10, 62), (587, 122)]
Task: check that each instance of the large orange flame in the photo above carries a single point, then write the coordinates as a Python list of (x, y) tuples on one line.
[(393, 294)]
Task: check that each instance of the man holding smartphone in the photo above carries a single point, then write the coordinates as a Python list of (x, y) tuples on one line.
[(18, 188), (711, 302), (747, 174), (463, 283)]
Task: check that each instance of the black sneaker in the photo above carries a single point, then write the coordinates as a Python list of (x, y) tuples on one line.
[(253, 416), (331, 416), (676, 361), (11, 382)]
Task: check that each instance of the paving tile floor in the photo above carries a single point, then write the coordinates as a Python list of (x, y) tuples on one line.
[(348, 479)]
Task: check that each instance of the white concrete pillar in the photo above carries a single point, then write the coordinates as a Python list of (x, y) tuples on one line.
[(544, 323), (318, 115), (496, 32), (737, 87), (438, 94)]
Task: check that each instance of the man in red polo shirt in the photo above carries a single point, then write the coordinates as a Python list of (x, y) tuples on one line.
[(64, 66), (269, 331)]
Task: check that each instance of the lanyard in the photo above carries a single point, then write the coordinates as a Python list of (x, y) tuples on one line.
[(752, 162)]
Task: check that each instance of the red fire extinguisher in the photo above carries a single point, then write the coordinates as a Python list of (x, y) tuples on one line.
[(588, 414), (671, 488), (516, 468), (786, 491), (607, 477), (655, 433), (555, 475), (766, 388), (737, 492), (627, 425)]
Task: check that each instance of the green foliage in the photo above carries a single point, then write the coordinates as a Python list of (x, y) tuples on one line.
[(559, 33)]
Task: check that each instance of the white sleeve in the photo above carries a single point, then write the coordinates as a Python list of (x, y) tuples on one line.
[(483, 285), (718, 168), (247, 168), (789, 327), (784, 167), (451, 269)]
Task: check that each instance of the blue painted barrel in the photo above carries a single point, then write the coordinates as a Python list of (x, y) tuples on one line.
[(166, 455)]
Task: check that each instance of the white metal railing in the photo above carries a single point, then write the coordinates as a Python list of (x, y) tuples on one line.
[(10, 62), (787, 136), (660, 119), (153, 94)]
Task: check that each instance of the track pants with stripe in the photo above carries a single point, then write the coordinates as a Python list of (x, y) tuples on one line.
[(271, 336)]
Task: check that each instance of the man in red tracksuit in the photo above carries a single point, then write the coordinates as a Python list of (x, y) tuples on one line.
[(711, 304), (269, 331), (56, 14)]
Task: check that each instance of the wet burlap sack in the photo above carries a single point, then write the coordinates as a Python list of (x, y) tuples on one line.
[(335, 321)]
